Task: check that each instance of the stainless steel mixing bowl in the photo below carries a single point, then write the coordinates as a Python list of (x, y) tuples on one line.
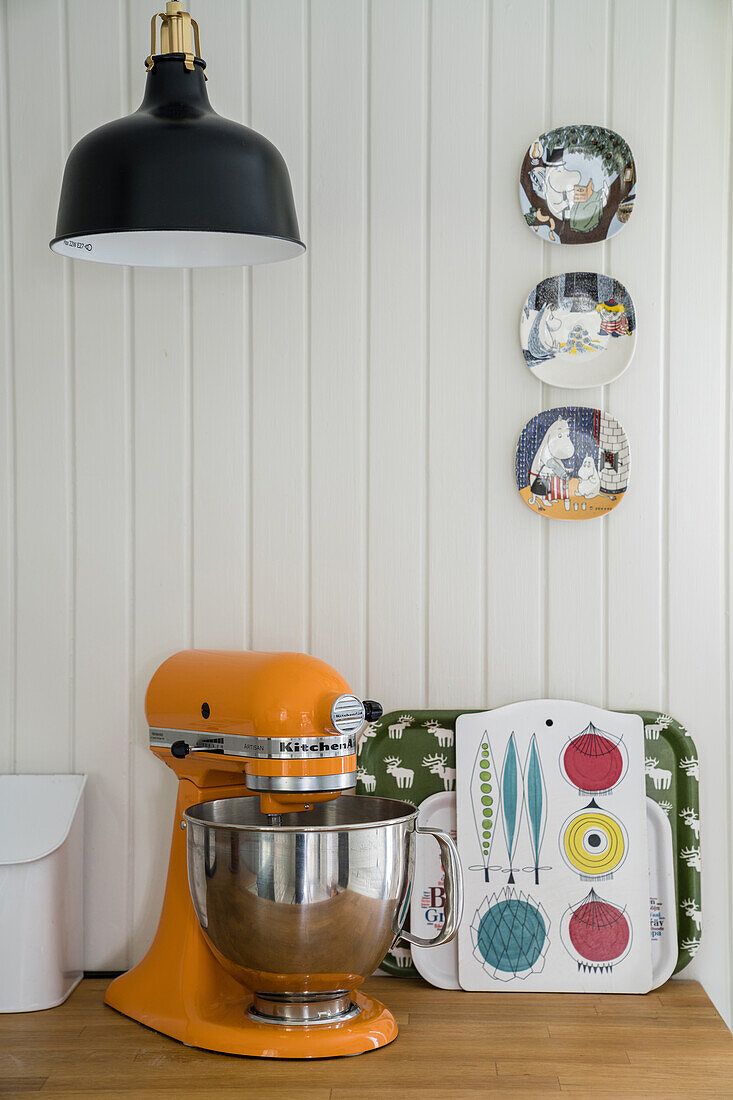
[(301, 913)]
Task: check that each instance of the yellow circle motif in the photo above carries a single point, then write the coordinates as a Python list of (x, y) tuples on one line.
[(594, 843)]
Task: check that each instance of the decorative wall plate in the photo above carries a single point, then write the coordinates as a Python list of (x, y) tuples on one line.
[(578, 329), (572, 462), (577, 184)]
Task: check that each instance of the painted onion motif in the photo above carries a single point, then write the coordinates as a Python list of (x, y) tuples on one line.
[(594, 761), (596, 933), (593, 842)]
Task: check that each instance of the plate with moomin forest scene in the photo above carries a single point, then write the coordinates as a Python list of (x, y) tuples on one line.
[(572, 462), (578, 329), (577, 184)]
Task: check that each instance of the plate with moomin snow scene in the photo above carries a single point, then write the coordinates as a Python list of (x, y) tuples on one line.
[(577, 184), (572, 462), (578, 329)]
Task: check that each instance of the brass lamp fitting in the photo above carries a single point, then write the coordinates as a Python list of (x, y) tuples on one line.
[(179, 33)]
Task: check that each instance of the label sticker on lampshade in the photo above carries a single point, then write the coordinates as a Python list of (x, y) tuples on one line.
[(577, 184), (593, 842), (572, 462), (578, 329), (594, 761)]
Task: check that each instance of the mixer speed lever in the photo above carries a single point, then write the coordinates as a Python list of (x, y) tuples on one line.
[(180, 749)]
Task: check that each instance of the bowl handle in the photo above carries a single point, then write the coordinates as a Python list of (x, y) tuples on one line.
[(453, 891)]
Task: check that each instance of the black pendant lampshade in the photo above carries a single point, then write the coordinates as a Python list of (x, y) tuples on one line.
[(174, 184)]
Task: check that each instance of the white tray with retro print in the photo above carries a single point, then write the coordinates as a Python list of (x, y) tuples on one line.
[(439, 965)]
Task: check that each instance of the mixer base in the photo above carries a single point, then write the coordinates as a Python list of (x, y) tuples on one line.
[(227, 1028), (181, 990)]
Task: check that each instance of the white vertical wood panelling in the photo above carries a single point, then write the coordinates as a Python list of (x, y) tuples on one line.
[(456, 418), (43, 443), (103, 518), (319, 454), (162, 411), (338, 299), (279, 69), (696, 458), (397, 324), (162, 560), (516, 568), (7, 426), (637, 257), (575, 575), (220, 430)]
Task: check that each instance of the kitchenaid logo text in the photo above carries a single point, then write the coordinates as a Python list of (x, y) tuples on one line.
[(346, 745), (78, 244)]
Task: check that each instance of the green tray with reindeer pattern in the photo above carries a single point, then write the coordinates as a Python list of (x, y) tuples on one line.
[(410, 754)]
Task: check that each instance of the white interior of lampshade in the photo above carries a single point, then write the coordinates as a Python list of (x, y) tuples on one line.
[(178, 248)]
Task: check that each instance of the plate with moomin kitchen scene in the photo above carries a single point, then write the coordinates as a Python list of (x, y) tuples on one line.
[(572, 462), (578, 329), (577, 184)]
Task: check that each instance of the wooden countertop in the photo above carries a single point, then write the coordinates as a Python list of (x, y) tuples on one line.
[(455, 1045)]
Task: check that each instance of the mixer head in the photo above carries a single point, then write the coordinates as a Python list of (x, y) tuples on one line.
[(285, 723)]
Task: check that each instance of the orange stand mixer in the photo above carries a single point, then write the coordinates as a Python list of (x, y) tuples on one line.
[(277, 907)]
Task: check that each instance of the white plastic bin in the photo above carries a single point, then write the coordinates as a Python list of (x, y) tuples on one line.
[(41, 889)]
